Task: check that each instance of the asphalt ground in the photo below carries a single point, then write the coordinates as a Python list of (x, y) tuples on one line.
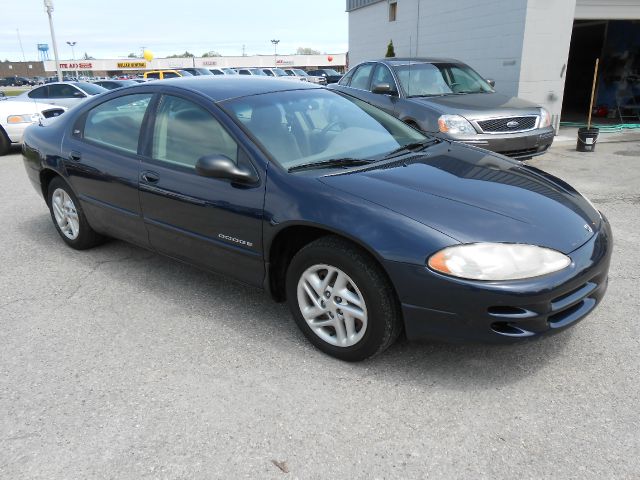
[(119, 363)]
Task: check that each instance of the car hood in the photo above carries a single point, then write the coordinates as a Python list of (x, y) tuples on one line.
[(473, 196), (22, 107), (476, 105)]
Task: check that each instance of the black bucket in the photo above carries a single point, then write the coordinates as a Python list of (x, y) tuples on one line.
[(587, 138)]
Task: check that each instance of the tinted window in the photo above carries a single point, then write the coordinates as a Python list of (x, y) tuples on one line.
[(184, 132), (360, 78), (38, 92), (244, 72), (62, 90), (116, 123), (153, 75), (90, 88), (170, 75), (268, 72), (383, 75), (217, 72)]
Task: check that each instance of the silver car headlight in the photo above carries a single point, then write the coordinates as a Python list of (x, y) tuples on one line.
[(545, 118), (497, 261), (455, 125)]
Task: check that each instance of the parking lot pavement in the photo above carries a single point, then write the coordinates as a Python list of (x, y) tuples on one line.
[(119, 363)]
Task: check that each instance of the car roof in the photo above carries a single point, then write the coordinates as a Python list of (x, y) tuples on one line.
[(223, 87), (408, 60)]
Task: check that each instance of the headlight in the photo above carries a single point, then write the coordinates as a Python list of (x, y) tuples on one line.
[(497, 261), (455, 125), (545, 118), (26, 118)]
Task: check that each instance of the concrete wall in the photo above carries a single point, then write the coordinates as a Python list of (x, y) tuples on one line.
[(487, 35), (545, 52)]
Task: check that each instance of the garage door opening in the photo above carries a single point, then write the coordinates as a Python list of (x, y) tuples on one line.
[(617, 100)]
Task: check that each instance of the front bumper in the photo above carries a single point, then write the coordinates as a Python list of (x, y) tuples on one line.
[(443, 308), (15, 131), (516, 145)]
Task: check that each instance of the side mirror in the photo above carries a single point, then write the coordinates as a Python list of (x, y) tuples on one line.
[(79, 94), (491, 82), (383, 88), (221, 166)]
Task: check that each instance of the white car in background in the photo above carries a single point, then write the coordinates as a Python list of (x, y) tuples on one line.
[(298, 72), (16, 116), (65, 94), (280, 73)]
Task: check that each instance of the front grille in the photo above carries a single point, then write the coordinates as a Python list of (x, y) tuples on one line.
[(508, 125)]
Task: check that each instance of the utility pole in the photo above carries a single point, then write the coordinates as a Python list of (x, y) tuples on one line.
[(48, 5), (20, 42), (73, 54), (243, 50), (275, 52)]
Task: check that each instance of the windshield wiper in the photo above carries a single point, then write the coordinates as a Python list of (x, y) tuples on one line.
[(413, 147), (332, 162)]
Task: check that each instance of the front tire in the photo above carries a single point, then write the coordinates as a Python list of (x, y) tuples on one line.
[(5, 144), (342, 300), (69, 218)]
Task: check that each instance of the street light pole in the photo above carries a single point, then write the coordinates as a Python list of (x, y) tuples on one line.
[(275, 52), (48, 5), (73, 54)]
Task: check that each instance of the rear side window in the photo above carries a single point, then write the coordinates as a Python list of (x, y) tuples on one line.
[(360, 78), (153, 75), (38, 92), (347, 77), (244, 72), (116, 123), (184, 132), (170, 75)]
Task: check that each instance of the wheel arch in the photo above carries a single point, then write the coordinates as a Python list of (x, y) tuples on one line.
[(290, 239)]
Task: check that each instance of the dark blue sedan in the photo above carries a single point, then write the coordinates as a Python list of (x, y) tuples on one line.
[(365, 226)]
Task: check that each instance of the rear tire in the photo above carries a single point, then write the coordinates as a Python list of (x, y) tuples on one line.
[(342, 300), (5, 143), (69, 218)]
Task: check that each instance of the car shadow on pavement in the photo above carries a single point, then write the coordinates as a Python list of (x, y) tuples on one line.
[(204, 294)]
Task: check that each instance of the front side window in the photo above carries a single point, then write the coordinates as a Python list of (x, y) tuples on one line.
[(433, 79), (311, 126), (361, 76), (90, 88), (116, 123), (170, 75), (184, 132), (383, 75)]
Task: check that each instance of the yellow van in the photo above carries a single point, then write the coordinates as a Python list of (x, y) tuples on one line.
[(162, 74)]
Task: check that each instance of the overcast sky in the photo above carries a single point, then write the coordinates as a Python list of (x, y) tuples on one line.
[(114, 28)]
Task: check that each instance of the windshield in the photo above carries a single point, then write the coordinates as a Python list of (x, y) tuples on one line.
[(279, 72), (433, 79), (90, 88), (331, 71), (257, 71), (300, 72), (229, 71), (301, 127)]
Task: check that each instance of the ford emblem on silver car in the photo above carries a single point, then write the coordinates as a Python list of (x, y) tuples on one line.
[(512, 124)]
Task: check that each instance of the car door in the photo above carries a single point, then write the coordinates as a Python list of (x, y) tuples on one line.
[(102, 163), (65, 95), (206, 221)]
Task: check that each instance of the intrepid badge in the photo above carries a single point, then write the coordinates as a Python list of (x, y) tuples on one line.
[(588, 228)]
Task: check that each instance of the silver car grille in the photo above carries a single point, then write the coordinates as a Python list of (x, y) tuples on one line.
[(508, 124)]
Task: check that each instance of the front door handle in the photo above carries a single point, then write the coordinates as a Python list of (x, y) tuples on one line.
[(75, 156), (150, 177)]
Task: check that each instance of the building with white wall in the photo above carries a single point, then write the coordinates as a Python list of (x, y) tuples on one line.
[(524, 45)]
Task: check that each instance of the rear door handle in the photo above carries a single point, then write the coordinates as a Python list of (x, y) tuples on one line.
[(150, 177), (75, 156)]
